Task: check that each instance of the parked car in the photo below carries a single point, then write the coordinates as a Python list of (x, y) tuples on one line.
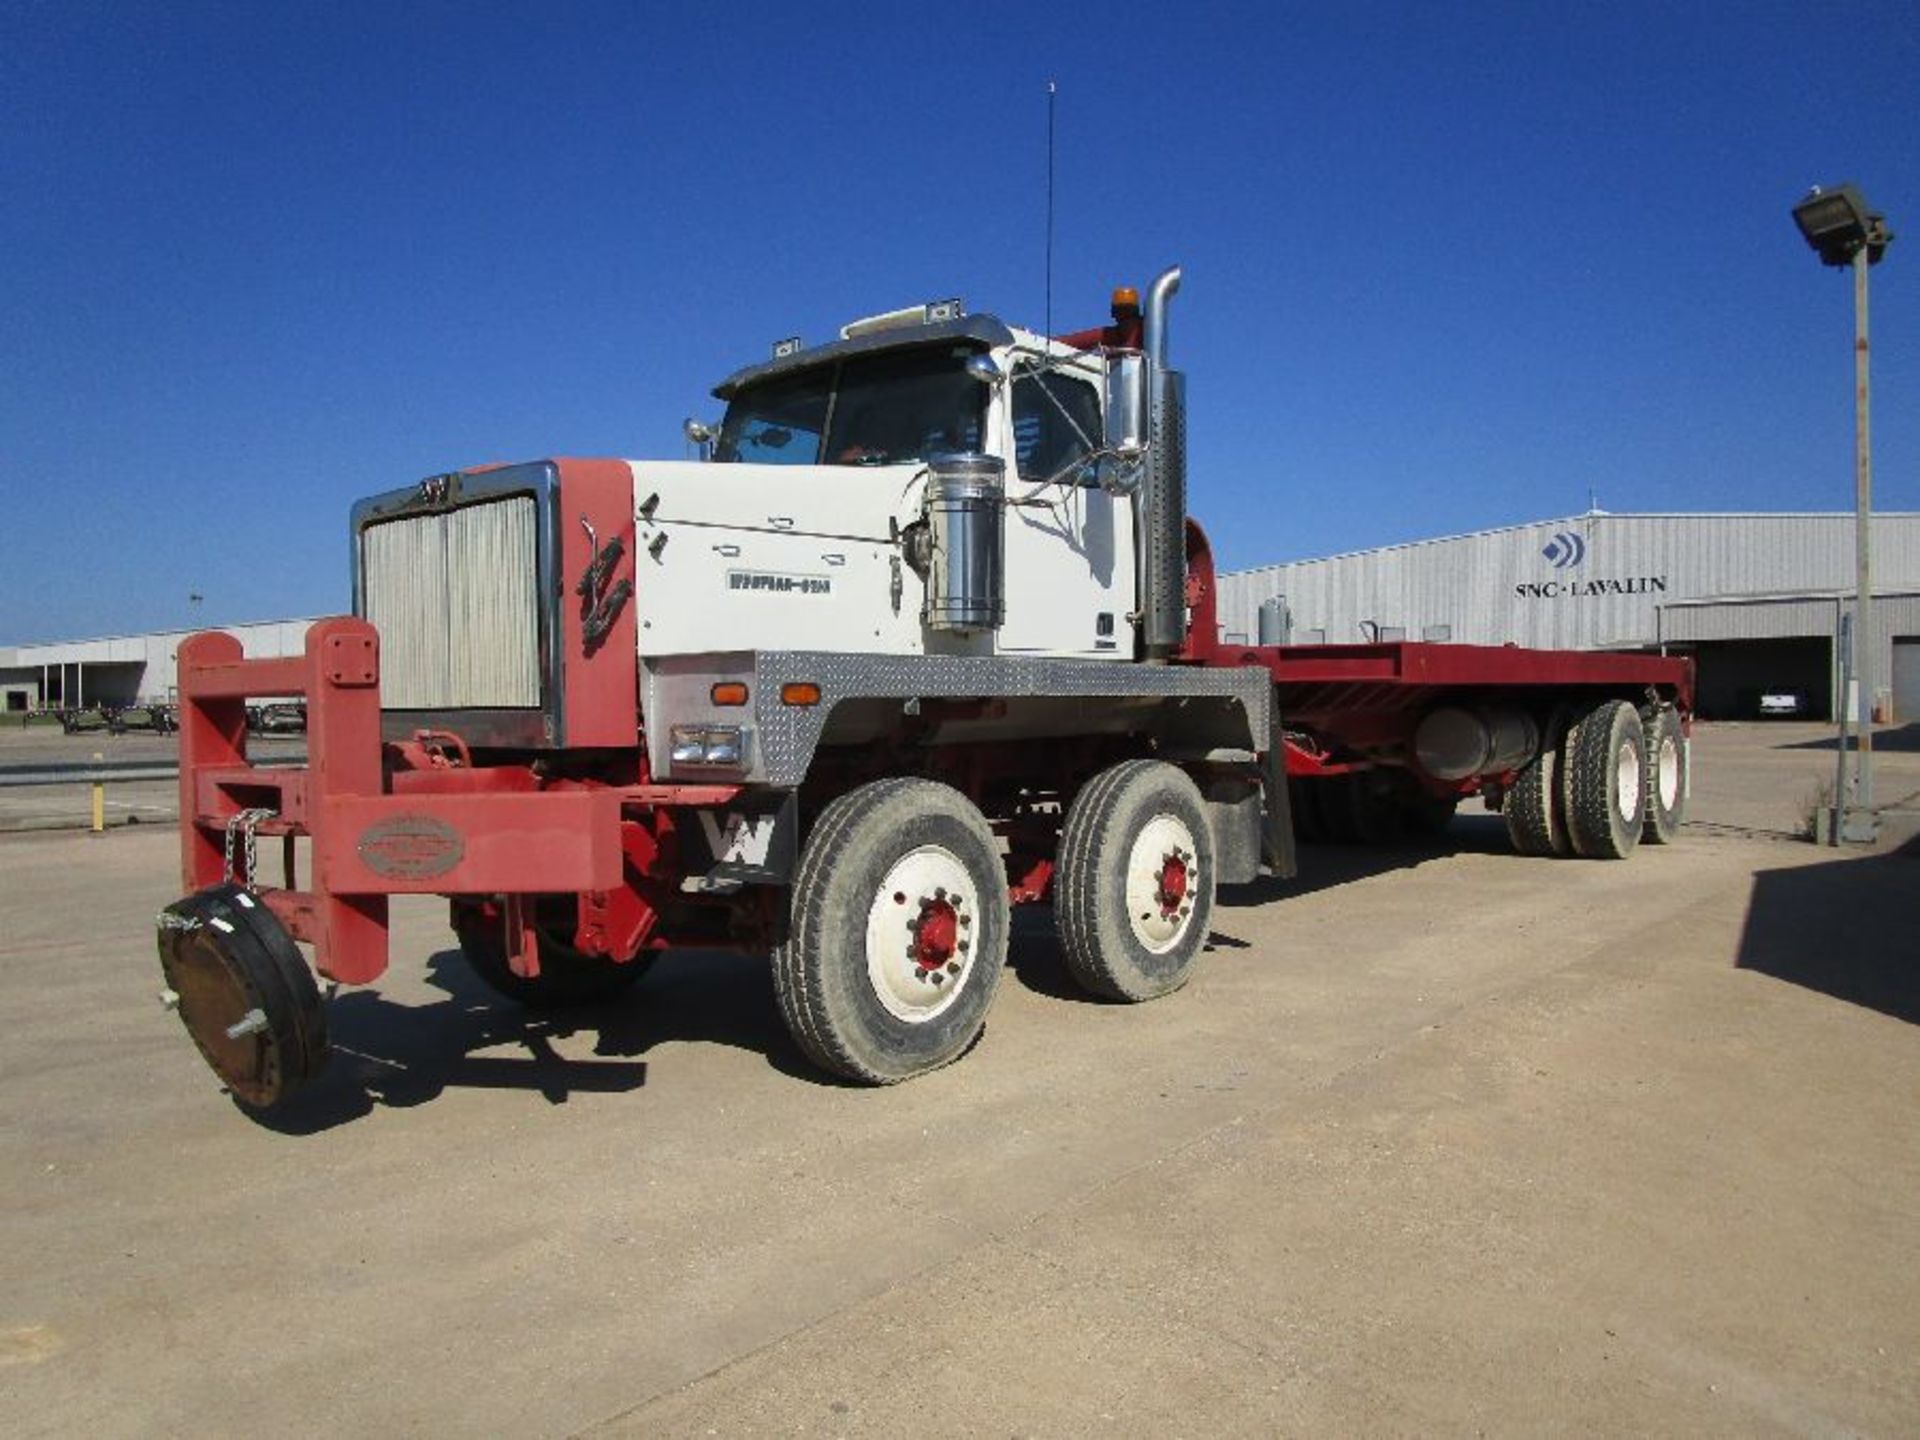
[(1782, 704), (283, 717)]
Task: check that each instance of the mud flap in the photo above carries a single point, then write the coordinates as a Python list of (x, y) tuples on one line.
[(754, 841), (1276, 830)]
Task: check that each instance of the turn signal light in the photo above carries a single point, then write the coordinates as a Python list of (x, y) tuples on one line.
[(800, 692), (728, 692)]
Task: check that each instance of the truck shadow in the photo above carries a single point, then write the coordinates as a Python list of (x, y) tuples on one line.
[(386, 1053), (1844, 928), (1327, 866), (1903, 741), (1035, 956)]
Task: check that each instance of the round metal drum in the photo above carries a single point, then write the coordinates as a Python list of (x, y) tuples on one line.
[(245, 993)]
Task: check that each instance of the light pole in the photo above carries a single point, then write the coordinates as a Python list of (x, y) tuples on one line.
[(1844, 232)]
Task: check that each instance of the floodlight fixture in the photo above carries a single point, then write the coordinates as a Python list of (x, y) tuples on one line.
[(1845, 233), (1837, 223)]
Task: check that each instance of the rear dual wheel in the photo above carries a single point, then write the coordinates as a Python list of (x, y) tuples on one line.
[(1666, 756), (1610, 779), (1606, 781), (1377, 806), (1535, 806)]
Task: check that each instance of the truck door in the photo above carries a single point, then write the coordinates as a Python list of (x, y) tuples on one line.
[(1069, 576)]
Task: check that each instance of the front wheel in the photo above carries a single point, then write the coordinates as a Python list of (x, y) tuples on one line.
[(1133, 899), (898, 933)]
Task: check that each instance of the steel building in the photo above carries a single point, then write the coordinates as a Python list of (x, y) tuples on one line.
[(120, 669), (1763, 601)]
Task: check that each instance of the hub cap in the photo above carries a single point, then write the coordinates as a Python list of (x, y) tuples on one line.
[(1668, 772), (1627, 783), (1163, 876), (920, 934)]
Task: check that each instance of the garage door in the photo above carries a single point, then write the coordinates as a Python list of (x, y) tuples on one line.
[(1906, 678)]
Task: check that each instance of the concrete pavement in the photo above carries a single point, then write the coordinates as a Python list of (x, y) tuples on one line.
[(1440, 1140)]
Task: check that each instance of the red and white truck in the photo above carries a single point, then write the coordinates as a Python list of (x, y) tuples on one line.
[(923, 634)]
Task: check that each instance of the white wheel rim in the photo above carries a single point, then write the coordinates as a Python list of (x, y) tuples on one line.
[(921, 934), (1627, 782), (1667, 770), (1163, 881)]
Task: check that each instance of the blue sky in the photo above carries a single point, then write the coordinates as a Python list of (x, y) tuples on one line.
[(1447, 267)]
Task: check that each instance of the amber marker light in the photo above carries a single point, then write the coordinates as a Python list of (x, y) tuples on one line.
[(729, 692), (1125, 297), (800, 692)]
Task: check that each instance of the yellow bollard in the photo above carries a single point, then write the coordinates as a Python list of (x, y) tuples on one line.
[(99, 801)]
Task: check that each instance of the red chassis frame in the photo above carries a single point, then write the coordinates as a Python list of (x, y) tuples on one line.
[(392, 820)]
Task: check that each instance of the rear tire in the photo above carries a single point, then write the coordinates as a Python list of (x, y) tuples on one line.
[(1535, 806), (1427, 816), (1606, 781), (567, 976), (1373, 807), (1666, 755), (898, 932), (1133, 898), (1304, 804)]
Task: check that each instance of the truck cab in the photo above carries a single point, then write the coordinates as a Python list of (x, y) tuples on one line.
[(792, 531)]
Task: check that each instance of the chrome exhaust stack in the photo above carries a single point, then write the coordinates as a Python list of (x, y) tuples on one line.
[(1160, 515)]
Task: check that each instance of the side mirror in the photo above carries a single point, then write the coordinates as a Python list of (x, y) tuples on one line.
[(986, 370), (1122, 469), (700, 435)]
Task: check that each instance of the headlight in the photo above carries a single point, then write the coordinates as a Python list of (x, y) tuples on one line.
[(721, 746)]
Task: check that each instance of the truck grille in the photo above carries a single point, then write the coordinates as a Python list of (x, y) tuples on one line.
[(456, 599)]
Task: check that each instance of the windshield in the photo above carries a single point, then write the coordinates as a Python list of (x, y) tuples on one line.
[(885, 409)]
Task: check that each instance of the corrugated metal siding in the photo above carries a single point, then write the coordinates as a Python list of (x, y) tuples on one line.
[(1748, 620), (1503, 585)]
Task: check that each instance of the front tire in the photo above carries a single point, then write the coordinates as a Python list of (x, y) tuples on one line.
[(898, 933), (1133, 898), (1606, 781)]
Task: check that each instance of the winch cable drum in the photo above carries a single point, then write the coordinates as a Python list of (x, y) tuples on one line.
[(1455, 743), (966, 508)]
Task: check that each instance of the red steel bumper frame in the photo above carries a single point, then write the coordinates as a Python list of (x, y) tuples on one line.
[(457, 835)]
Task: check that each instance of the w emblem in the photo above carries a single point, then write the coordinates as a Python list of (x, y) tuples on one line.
[(1565, 549)]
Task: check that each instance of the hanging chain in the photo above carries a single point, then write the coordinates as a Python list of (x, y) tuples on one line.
[(243, 825)]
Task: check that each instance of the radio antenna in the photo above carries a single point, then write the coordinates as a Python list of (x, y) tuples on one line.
[(1048, 332)]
